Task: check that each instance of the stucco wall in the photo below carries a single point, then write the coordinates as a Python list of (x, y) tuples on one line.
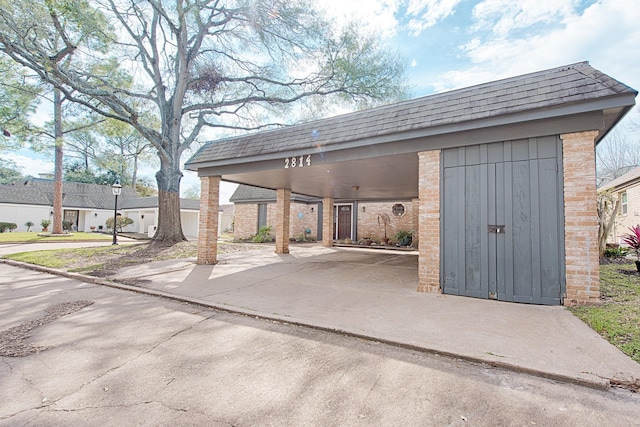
[(20, 214), (631, 218)]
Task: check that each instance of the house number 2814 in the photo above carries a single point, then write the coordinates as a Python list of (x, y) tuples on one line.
[(297, 162)]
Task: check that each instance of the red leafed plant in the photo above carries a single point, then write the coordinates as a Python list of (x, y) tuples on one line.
[(633, 240)]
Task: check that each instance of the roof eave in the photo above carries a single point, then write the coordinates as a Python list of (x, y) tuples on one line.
[(626, 101)]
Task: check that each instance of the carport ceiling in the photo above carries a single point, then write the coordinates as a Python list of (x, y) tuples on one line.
[(379, 178)]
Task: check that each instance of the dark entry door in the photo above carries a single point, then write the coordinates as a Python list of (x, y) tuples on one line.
[(502, 221), (344, 222)]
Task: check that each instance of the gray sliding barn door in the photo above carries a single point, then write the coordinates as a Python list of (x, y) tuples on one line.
[(502, 221)]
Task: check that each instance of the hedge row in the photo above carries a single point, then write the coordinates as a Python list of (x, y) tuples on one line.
[(4, 226)]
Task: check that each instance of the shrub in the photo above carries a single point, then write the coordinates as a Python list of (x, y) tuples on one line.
[(615, 252), (66, 225), (121, 222), (29, 224), (4, 226), (263, 235)]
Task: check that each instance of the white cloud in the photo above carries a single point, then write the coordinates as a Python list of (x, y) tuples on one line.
[(374, 15), (505, 16), (32, 167), (427, 13), (606, 34)]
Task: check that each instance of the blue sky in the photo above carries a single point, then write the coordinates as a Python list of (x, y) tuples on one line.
[(449, 44)]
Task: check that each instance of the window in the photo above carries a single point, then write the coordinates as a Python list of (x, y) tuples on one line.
[(262, 215), (623, 203), (398, 209)]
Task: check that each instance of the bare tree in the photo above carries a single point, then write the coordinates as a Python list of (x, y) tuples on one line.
[(608, 206), (616, 155), (219, 63)]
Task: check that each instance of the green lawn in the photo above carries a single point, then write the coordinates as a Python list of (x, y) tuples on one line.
[(33, 237), (618, 318)]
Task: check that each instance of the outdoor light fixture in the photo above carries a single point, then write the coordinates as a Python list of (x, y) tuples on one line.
[(363, 209), (117, 189)]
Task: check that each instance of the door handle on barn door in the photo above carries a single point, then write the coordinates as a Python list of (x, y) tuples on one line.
[(496, 229)]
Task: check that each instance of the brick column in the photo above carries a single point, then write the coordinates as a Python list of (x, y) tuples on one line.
[(429, 222), (327, 222), (208, 223), (415, 220), (283, 208), (580, 218)]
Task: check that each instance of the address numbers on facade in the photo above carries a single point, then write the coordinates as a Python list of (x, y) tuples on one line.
[(297, 162)]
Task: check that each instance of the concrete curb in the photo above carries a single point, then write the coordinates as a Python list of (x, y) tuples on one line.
[(596, 383)]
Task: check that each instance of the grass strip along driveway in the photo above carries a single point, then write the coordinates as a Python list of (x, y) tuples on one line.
[(617, 319), (33, 237)]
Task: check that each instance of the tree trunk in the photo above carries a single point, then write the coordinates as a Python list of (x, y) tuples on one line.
[(605, 226), (57, 182), (169, 230)]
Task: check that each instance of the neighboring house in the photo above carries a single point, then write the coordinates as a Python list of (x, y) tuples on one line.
[(626, 190), (353, 219), (86, 206), (501, 179)]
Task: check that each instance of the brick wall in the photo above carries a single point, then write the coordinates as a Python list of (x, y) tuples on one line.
[(208, 223), (429, 220), (245, 223), (580, 218), (246, 219), (327, 222), (283, 213), (368, 226)]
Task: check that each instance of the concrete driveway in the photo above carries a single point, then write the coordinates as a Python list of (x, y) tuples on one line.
[(136, 360), (372, 294)]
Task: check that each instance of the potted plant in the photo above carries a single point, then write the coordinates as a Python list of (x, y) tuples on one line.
[(385, 220), (404, 237), (633, 240), (45, 223)]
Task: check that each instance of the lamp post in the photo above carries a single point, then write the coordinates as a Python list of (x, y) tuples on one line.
[(117, 189)]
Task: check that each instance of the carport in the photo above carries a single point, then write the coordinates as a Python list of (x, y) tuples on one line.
[(502, 175)]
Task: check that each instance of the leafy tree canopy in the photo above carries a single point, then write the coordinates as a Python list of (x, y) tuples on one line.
[(232, 65)]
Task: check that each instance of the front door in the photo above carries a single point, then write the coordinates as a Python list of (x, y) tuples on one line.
[(502, 221), (72, 218), (343, 223)]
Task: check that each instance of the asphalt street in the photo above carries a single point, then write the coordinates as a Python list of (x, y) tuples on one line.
[(136, 360)]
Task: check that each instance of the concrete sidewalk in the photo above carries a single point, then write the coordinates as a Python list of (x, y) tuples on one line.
[(372, 294)]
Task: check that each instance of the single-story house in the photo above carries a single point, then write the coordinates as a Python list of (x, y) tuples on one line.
[(626, 190), (354, 220), (86, 206), (501, 179)]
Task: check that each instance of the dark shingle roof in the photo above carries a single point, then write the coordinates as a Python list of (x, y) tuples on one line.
[(79, 195), (249, 194), (571, 84)]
